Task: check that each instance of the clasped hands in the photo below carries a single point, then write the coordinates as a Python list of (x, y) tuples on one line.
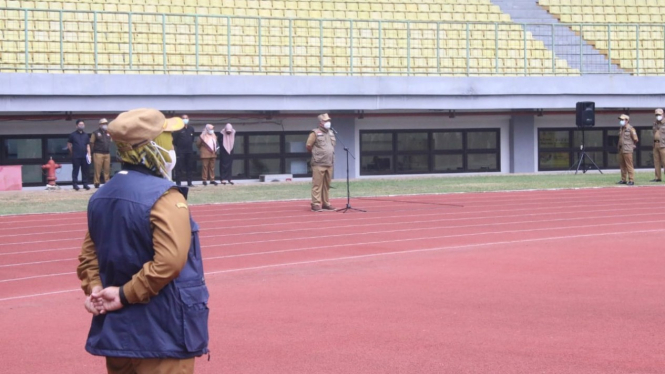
[(103, 300)]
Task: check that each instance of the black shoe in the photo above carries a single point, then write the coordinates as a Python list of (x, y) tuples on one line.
[(631, 183), (205, 183), (96, 185), (87, 188), (231, 183), (76, 188), (621, 182), (190, 185), (214, 183), (655, 180)]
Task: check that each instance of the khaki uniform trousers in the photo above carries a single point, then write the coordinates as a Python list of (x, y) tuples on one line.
[(208, 169), (102, 163), (658, 159), (123, 365), (626, 165), (321, 177)]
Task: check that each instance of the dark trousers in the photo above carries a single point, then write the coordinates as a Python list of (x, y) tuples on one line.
[(80, 163), (184, 167)]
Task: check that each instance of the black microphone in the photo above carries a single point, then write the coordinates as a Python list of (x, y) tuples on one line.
[(333, 129)]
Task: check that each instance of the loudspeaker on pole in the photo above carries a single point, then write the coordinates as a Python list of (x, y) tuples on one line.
[(585, 114)]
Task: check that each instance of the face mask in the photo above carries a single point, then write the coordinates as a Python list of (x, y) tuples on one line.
[(659, 118), (211, 132), (622, 122), (104, 127), (168, 166), (185, 121), (326, 125), (80, 127)]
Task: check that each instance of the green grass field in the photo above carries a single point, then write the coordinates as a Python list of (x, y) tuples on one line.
[(67, 200)]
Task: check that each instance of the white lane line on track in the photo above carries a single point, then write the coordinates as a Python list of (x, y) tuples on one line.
[(382, 242), (456, 247), (40, 250), (36, 276), (373, 218)]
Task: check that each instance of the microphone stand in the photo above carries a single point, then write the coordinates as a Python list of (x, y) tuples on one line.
[(348, 188)]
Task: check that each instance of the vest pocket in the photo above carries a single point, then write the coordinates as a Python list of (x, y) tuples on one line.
[(195, 317)]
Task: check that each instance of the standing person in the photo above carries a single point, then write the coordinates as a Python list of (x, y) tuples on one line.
[(321, 144), (626, 145), (658, 144), (207, 144), (100, 142), (140, 265), (182, 140), (78, 144), (228, 136)]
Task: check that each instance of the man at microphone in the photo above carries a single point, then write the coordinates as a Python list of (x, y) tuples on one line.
[(321, 144)]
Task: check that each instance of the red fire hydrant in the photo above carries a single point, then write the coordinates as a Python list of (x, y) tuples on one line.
[(50, 168)]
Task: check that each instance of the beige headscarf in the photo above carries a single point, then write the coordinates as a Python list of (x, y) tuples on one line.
[(210, 140), (228, 137)]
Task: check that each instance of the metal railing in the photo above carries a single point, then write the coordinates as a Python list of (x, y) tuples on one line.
[(39, 40)]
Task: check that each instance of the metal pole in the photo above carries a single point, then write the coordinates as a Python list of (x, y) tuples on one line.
[(27, 47), (637, 47), (196, 41), (94, 31), (228, 45), (408, 48), (164, 42), (62, 53), (131, 63), (468, 47), (291, 46), (351, 45)]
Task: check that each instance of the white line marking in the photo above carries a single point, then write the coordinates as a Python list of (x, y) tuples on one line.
[(38, 294), (35, 276)]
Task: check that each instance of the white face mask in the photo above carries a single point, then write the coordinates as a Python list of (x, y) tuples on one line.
[(185, 121), (211, 132), (104, 127), (168, 166), (326, 125), (622, 122), (659, 118)]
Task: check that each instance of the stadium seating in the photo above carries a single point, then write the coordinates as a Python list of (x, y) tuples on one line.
[(635, 37), (271, 37)]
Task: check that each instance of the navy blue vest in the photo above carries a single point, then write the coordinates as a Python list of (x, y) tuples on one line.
[(174, 323)]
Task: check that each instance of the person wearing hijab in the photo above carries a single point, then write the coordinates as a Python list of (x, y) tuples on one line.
[(140, 265), (207, 144), (226, 154)]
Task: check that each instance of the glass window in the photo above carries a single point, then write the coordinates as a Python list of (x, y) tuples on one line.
[(596, 157), (238, 167), (298, 166), (57, 148), (32, 173), (592, 138), (20, 149), (481, 161), (376, 164), (554, 139), (295, 143), (238, 145), (481, 140), (258, 166), (264, 144), (447, 141), (372, 142), (646, 159), (612, 159), (646, 136), (554, 160), (443, 163), (412, 141), (412, 163)]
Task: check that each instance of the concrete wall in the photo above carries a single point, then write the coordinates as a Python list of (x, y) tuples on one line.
[(112, 93)]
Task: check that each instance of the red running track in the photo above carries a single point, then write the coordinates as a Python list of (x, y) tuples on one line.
[(564, 281)]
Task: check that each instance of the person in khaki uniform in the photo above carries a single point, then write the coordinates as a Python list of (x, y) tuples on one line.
[(100, 143), (626, 145), (321, 143), (658, 145), (207, 144)]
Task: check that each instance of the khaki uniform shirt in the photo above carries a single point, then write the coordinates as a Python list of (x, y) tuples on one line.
[(322, 142), (627, 139), (205, 151), (171, 236), (658, 129)]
